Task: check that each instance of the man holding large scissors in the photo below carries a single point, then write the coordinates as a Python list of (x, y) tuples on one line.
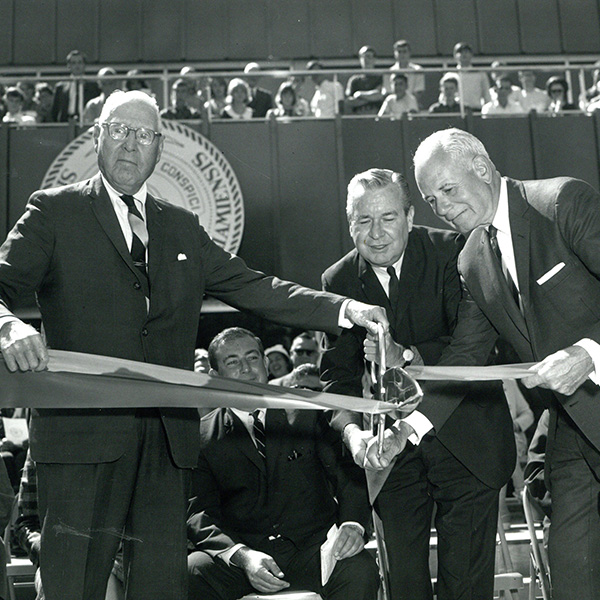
[(412, 272)]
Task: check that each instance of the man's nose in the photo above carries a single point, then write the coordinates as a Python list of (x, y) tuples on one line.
[(244, 366), (130, 142), (376, 230)]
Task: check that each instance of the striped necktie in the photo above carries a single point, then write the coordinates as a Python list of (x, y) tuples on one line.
[(139, 232), (258, 429), (514, 292)]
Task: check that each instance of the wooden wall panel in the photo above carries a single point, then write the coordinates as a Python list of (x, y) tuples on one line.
[(580, 25), (163, 30), (120, 31), (77, 28), (248, 31), (456, 22), (373, 25), (206, 30), (6, 32), (331, 27), (414, 20), (540, 30), (289, 27), (498, 27), (34, 32)]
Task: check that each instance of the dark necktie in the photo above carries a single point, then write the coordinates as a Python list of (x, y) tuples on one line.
[(514, 292), (394, 288), (259, 433), (139, 232)]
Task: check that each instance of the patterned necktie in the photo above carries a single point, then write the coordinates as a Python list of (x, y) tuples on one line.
[(394, 288), (139, 232), (514, 292), (258, 429)]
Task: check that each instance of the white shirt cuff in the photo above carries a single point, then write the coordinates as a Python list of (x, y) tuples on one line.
[(420, 423), (7, 318), (227, 554), (342, 320), (593, 349), (355, 524)]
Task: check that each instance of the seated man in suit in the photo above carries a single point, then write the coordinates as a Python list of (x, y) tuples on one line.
[(269, 486)]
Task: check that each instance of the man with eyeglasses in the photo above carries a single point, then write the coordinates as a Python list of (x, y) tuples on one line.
[(120, 273)]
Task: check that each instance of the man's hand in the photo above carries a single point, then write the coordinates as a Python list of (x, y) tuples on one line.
[(22, 347), (357, 441), (349, 541), (564, 371), (367, 316), (394, 442), (393, 350), (260, 568)]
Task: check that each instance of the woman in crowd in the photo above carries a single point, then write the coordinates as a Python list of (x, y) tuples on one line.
[(238, 97)]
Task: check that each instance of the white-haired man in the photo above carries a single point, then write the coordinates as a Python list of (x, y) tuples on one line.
[(118, 272), (531, 270)]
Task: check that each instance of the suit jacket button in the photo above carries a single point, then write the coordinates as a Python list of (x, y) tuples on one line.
[(136, 285), (144, 332)]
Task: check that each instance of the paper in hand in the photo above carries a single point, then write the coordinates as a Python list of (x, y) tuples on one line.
[(328, 560), (15, 430)]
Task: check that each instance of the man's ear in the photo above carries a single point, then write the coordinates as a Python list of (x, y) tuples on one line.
[(482, 168), (96, 135)]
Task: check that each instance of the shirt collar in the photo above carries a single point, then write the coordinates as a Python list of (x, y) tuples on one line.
[(244, 415), (383, 270), (140, 195), (501, 221)]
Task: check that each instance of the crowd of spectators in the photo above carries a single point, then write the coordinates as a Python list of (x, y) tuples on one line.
[(321, 95)]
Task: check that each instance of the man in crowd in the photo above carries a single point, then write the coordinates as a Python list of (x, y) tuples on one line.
[(66, 93), (529, 96), (269, 486), (364, 92), (261, 100), (531, 268), (181, 91), (474, 86), (503, 104), (411, 271), (107, 85), (304, 350), (328, 94), (44, 95), (448, 102), (415, 81), (120, 273)]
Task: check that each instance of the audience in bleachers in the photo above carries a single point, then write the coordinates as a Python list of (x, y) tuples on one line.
[(448, 99), (215, 105), (503, 104), (134, 82), (473, 86), (416, 80), (557, 89), (287, 104), (181, 92), (401, 101), (328, 94), (364, 91), (260, 100), (14, 100), (530, 97), (304, 350), (238, 99), (107, 86), (28, 89)]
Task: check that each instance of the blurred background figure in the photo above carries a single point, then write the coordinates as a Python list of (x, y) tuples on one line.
[(304, 349), (260, 100), (14, 100), (448, 100), (134, 82), (287, 104), (28, 89), (328, 94), (401, 100), (416, 80), (181, 91), (557, 89), (474, 86), (107, 86), (238, 97), (201, 361), (215, 105), (279, 361), (306, 377), (364, 92), (44, 95), (530, 97)]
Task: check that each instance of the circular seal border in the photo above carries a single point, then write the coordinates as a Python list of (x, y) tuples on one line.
[(226, 212)]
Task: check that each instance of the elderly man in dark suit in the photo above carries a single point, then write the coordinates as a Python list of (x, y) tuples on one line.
[(531, 271), (411, 271), (269, 486), (120, 273), (66, 101)]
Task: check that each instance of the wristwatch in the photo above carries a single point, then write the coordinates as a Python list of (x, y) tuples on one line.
[(407, 356)]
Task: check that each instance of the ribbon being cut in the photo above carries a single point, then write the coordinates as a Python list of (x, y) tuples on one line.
[(76, 380)]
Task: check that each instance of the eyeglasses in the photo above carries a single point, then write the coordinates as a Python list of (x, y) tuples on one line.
[(118, 132)]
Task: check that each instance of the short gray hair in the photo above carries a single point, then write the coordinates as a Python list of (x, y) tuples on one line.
[(376, 179), (119, 97), (456, 143)]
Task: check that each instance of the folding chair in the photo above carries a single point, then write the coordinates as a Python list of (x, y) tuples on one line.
[(538, 561), (508, 582)]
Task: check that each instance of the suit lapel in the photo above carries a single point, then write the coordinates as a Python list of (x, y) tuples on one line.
[(408, 278), (241, 437), (372, 288), (155, 223), (105, 213)]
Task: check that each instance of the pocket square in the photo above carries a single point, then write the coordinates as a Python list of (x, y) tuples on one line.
[(181, 256), (551, 273)]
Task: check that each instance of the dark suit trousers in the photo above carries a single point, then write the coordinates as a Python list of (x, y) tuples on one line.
[(355, 578), (88, 509), (574, 541), (466, 522)]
